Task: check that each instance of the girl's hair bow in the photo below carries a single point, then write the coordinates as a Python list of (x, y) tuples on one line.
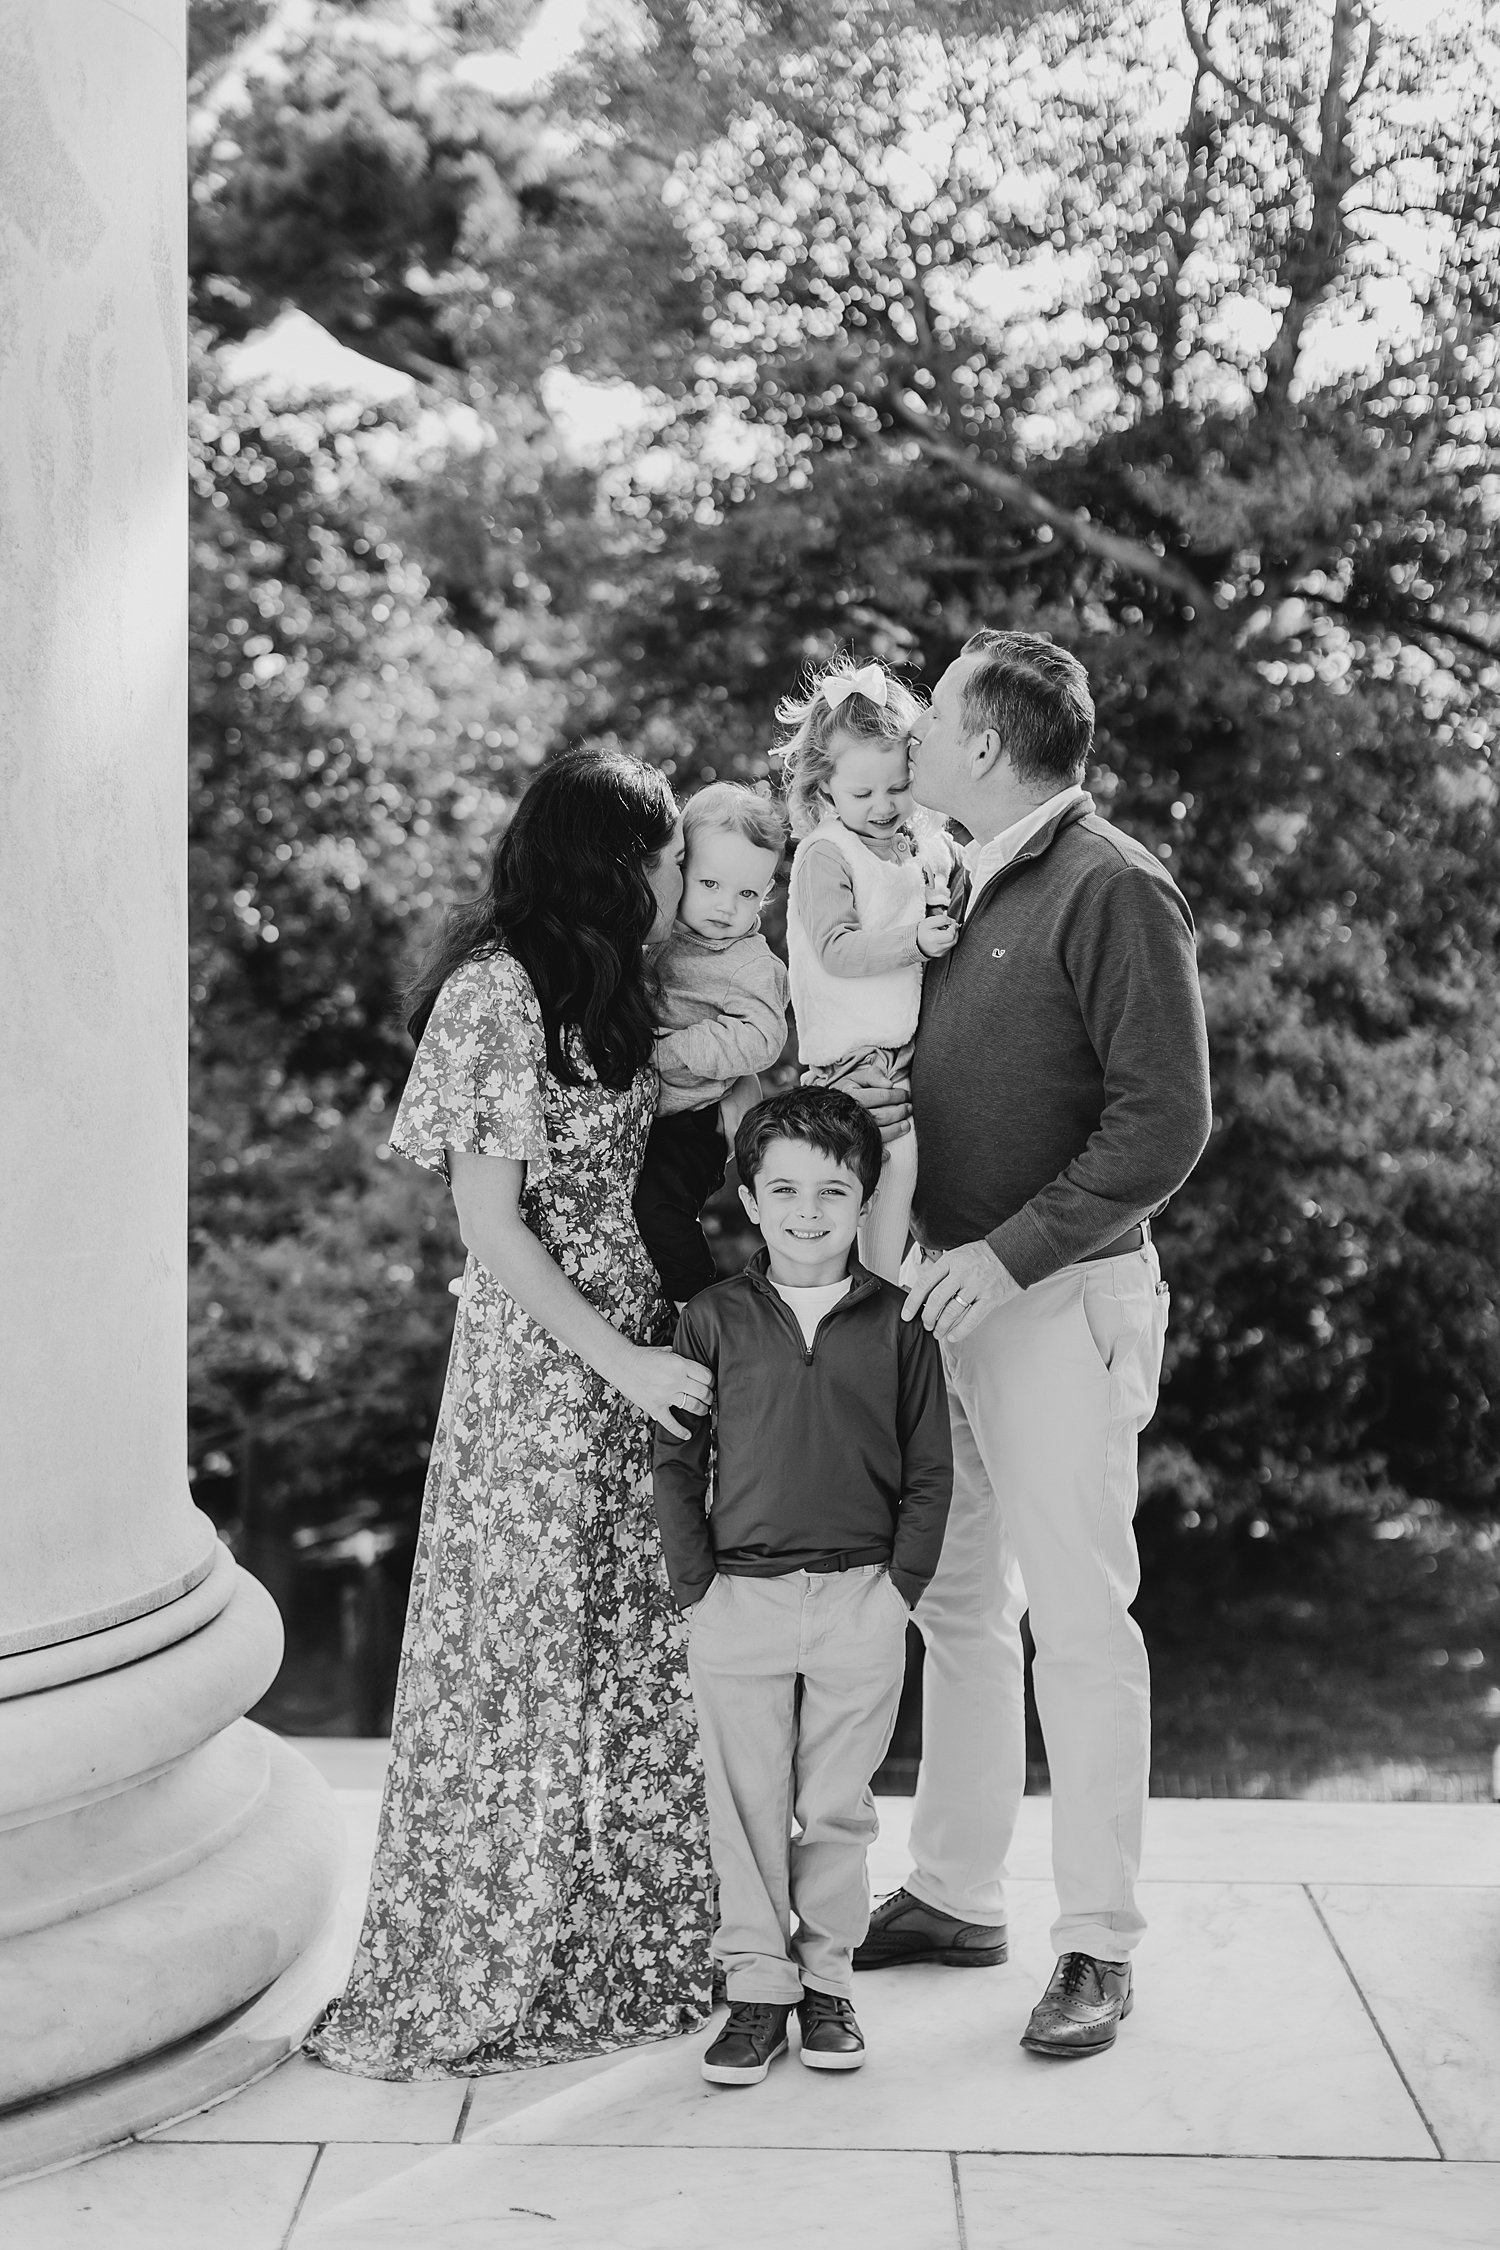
[(868, 680)]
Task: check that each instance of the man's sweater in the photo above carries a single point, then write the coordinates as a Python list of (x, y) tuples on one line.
[(722, 1013), (1060, 1082), (838, 1449)]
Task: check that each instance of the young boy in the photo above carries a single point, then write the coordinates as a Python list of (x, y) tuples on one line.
[(832, 1471), (723, 1012)]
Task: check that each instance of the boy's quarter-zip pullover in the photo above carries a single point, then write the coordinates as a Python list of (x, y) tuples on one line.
[(841, 1449)]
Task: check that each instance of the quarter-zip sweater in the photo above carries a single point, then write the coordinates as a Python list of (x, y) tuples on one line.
[(1060, 1080), (837, 1450)]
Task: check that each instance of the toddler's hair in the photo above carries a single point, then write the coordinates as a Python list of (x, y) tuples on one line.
[(831, 1122), (814, 722), (743, 812)]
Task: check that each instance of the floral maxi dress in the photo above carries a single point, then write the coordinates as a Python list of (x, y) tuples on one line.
[(541, 1881)]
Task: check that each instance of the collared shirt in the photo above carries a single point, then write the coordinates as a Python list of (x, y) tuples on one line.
[(985, 860)]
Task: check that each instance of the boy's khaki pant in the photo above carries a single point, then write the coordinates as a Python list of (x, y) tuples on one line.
[(796, 1682)]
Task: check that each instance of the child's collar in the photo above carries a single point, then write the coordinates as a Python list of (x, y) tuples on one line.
[(685, 936), (861, 1280)]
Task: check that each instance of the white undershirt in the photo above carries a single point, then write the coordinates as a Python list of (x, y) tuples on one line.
[(985, 860), (810, 1305)]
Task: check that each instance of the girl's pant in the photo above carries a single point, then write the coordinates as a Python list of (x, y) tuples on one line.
[(887, 1223), (886, 1226), (1047, 1396), (796, 1681)]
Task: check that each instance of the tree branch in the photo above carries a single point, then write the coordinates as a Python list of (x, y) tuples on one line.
[(1313, 254), (1408, 621), (1180, 225), (1240, 95), (1130, 555), (986, 566)]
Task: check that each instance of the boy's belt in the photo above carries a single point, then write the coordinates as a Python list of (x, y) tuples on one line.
[(855, 1558)]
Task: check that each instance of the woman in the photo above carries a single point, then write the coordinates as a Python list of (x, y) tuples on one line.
[(541, 1883)]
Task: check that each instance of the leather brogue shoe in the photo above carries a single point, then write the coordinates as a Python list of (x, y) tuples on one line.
[(753, 2038), (1082, 2008), (903, 1928), (831, 2037)]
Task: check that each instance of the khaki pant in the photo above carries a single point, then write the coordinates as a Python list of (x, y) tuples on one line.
[(796, 1682), (1048, 1396)]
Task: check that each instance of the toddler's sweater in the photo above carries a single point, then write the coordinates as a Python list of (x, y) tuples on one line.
[(722, 1013)]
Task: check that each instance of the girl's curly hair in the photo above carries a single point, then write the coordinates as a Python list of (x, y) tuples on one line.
[(814, 721)]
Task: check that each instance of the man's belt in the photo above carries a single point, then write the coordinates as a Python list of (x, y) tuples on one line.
[(1134, 1238)]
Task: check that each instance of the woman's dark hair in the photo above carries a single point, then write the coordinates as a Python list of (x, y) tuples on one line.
[(832, 1123), (568, 897)]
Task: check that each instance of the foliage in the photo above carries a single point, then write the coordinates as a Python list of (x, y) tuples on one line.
[(351, 753), (1168, 331), (985, 311)]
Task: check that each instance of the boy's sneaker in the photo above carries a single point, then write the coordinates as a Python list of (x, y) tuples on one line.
[(749, 2043), (831, 2037)]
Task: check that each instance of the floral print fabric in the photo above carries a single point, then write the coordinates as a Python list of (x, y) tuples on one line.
[(541, 1883)]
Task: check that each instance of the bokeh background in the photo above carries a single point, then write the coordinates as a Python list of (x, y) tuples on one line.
[(578, 372)]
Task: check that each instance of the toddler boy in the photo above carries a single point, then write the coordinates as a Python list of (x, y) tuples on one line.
[(832, 1471), (723, 1016)]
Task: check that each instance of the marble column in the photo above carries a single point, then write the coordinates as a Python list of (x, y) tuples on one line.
[(167, 1870)]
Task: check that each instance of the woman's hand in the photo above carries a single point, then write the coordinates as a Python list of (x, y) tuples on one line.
[(937, 935), (487, 1193), (663, 1385)]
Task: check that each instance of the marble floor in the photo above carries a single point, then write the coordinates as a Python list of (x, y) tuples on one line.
[(1314, 2061)]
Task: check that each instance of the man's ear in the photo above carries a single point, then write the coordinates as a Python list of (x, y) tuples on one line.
[(985, 755), (748, 1199)]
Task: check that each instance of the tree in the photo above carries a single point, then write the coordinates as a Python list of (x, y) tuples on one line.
[(1017, 341), (352, 754), (942, 317)]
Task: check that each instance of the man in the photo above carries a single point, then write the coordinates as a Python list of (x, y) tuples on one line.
[(1059, 1092)]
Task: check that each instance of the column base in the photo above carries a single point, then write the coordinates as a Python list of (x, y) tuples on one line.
[(168, 1873), (125, 2105)]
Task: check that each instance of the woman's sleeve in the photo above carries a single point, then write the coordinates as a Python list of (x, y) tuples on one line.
[(823, 897), (476, 1083)]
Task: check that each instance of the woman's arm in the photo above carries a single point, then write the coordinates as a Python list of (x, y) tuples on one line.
[(487, 1195)]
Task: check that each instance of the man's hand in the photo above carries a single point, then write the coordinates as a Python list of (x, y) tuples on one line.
[(888, 1100), (955, 1292)]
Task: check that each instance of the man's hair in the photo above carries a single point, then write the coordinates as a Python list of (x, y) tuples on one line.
[(730, 806), (822, 1117), (1036, 697)]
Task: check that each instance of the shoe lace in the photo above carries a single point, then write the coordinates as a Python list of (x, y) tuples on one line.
[(750, 2015), (1074, 1969)]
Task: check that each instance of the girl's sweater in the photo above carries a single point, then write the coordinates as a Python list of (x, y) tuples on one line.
[(851, 938)]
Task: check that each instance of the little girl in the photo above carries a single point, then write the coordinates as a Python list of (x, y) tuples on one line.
[(868, 905)]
